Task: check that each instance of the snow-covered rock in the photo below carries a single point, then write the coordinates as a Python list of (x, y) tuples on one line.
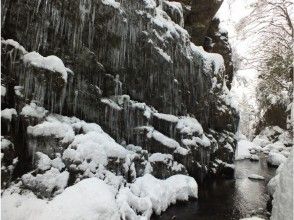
[(8, 113), (276, 159), (89, 199), (256, 177), (52, 63)]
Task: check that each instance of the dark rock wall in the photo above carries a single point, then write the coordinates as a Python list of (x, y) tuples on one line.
[(129, 48)]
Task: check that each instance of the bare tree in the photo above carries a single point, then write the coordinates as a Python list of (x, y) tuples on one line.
[(271, 24)]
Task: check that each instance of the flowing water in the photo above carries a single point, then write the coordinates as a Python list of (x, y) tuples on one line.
[(228, 199)]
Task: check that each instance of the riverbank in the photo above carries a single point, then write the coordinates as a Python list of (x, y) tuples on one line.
[(228, 199)]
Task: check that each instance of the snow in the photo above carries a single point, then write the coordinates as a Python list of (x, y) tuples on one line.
[(89, 199), (256, 177), (252, 218), (52, 63), (5, 143), (149, 3), (8, 113), (45, 163), (148, 194), (53, 128), (166, 117), (17, 91), (254, 157), (210, 59), (33, 110), (164, 140), (283, 195), (188, 125), (112, 3), (3, 90), (93, 198), (111, 103), (276, 159), (242, 151), (163, 54), (162, 193), (52, 181), (159, 157), (14, 44)]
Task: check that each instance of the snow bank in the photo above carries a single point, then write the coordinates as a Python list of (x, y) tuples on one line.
[(8, 113), (283, 195), (52, 63), (148, 194), (89, 199)]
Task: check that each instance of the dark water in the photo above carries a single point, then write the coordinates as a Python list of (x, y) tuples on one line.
[(227, 199)]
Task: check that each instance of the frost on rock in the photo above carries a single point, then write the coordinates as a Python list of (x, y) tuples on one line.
[(52, 63), (8, 113)]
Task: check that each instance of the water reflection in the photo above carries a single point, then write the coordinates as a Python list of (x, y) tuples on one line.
[(227, 199)]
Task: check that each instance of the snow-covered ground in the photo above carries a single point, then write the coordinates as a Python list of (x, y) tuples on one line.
[(93, 198)]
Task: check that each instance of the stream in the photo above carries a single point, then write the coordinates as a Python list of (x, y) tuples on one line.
[(228, 199)]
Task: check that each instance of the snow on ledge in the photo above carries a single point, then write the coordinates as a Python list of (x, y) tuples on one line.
[(8, 113), (52, 63)]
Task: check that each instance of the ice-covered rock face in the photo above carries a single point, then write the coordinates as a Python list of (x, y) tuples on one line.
[(129, 66), (140, 41)]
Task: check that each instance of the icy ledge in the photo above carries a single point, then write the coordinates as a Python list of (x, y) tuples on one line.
[(92, 198)]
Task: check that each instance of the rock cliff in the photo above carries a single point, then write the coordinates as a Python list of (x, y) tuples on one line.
[(129, 66)]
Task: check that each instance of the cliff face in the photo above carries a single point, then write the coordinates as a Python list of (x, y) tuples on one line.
[(129, 66)]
